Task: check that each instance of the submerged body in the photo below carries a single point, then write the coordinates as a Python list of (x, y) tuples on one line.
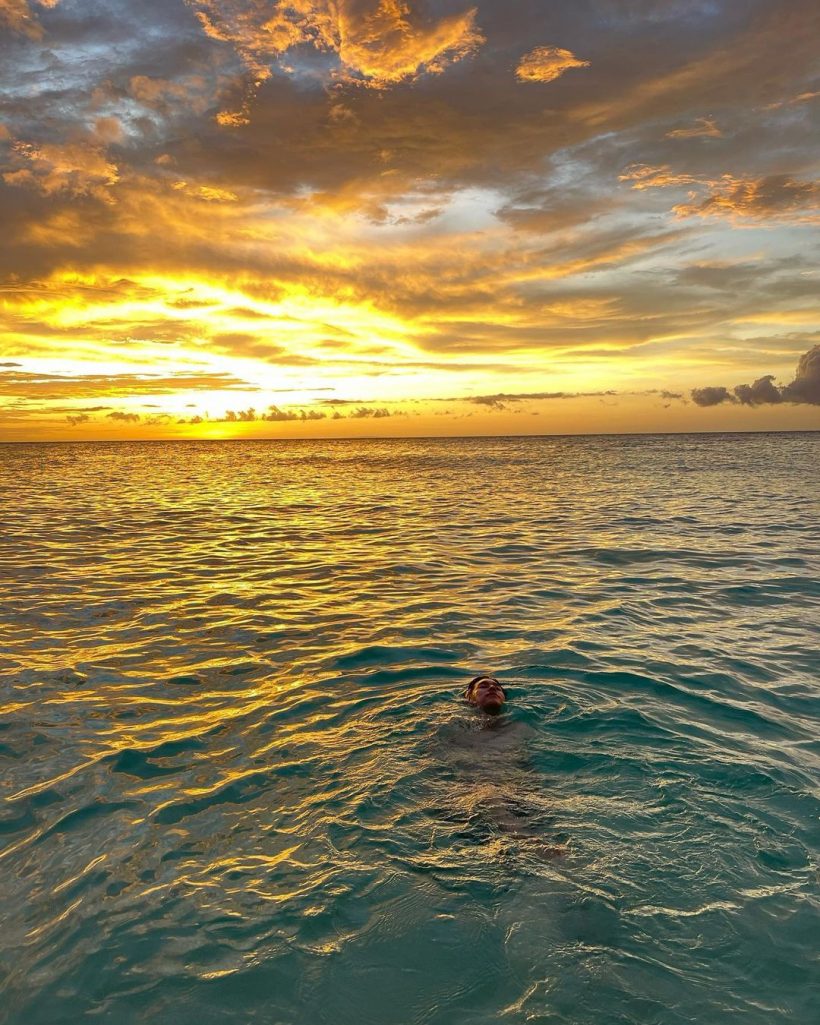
[(502, 799)]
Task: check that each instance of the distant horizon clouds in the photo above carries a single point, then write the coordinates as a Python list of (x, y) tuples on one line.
[(805, 388)]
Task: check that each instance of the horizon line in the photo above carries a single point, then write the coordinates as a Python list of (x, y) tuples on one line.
[(400, 437)]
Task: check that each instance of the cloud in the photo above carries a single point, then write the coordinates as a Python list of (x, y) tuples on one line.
[(704, 127), (166, 97), (546, 63), (128, 418), (209, 193), (774, 196), (277, 414), (31, 384), (363, 412), (19, 16), (274, 414), (804, 97), (502, 399), (738, 67), (376, 43), (711, 396), (759, 393), (805, 388), (241, 416), (77, 409), (806, 384), (76, 168), (81, 418), (644, 176)]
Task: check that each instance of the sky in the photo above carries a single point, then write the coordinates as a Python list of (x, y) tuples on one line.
[(351, 218)]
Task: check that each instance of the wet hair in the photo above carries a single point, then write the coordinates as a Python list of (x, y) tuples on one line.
[(468, 690)]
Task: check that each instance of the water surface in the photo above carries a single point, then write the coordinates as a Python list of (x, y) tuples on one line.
[(239, 785)]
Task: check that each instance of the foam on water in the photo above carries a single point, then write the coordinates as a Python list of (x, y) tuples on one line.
[(238, 784)]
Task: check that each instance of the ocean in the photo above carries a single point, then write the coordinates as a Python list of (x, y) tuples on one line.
[(240, 783)]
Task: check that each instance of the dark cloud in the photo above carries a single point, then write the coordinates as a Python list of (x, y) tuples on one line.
[(363, 412), (76, 409), (711, 396), (759, 393), (276, 414), (805, 388), (273, 414), (806, 384), (502, 399), (128, 418), (241, 415)]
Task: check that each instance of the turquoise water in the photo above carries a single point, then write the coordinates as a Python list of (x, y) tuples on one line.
[(239, 784)]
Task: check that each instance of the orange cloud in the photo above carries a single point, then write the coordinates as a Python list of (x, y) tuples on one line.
[(78, 168), (19, 17), (377, 44), (805, 97), (643, 176), (32, 384), (546, 63), (704, 127), (210, 193), (774, 196)]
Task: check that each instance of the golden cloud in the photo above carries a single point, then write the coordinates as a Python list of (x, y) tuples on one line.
[(546, 63), (377, 44), (78, 168), (644, 176), (774, 196), (210, 193), (34, 385)]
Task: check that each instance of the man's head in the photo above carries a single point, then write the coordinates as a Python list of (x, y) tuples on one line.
[(486, 693)]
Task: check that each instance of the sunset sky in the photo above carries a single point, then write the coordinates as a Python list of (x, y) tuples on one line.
[(248, 218)]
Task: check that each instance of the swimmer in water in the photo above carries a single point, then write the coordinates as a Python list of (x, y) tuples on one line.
[(485, 692), (502, 810)]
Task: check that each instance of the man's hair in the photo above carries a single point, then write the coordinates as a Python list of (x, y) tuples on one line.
[(468, 690)]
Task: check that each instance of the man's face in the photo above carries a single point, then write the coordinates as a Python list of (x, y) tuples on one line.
[(487, 694)]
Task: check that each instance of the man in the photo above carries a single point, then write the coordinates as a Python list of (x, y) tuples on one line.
[(486, 693), (499, 801)]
